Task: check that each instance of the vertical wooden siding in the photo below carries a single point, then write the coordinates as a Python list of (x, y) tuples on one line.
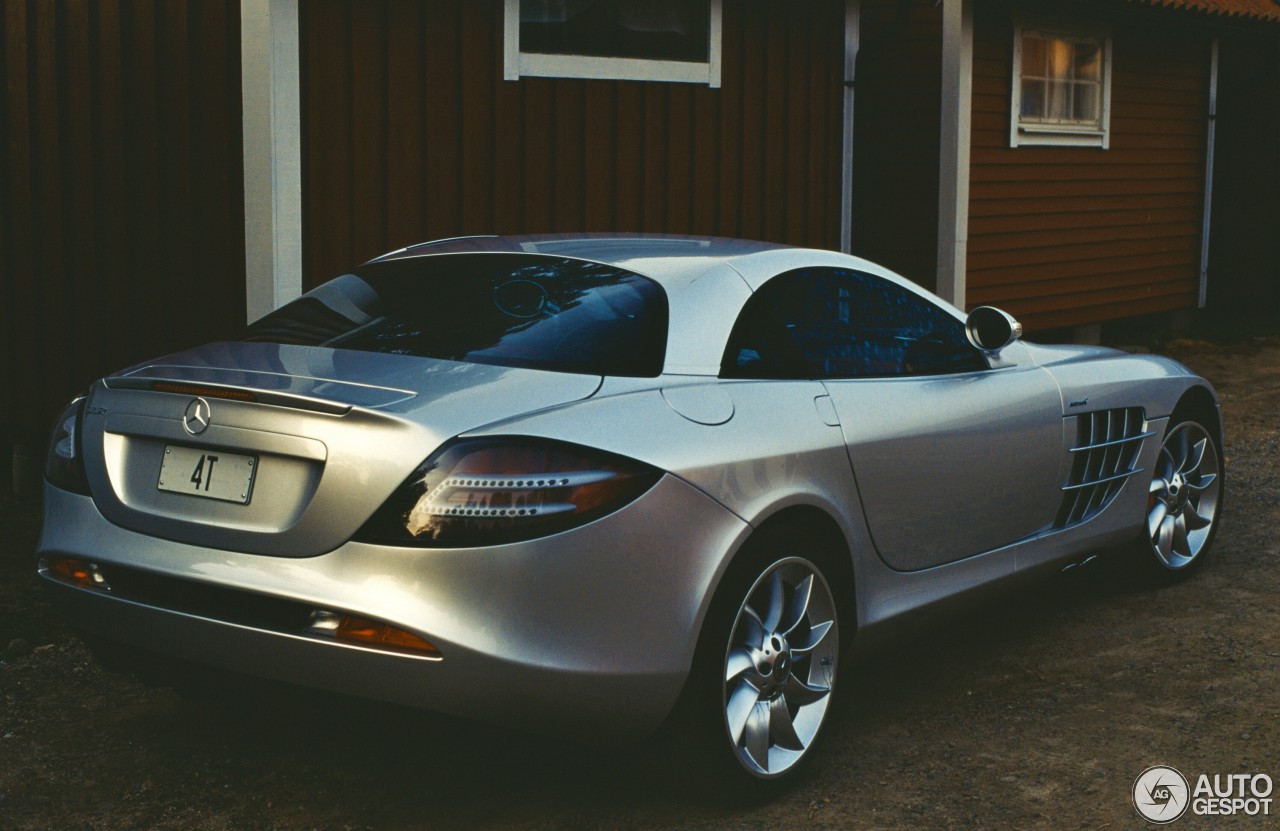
[(896, 144), (1063, 236), (121, 202), (410, 133)]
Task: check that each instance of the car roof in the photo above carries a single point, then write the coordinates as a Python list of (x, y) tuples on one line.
[(707, 278), (663, 257)]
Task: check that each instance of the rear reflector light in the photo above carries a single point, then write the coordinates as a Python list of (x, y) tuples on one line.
[(79, 573), (362, 631)]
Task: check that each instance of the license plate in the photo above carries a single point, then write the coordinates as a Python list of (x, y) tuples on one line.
[(211, 474)]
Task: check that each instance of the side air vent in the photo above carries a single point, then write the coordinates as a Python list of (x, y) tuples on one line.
[(1104, 455)]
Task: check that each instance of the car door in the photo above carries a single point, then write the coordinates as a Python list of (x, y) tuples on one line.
[(952, 457)]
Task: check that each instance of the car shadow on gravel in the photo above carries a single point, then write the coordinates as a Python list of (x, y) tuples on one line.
[(942, 646)]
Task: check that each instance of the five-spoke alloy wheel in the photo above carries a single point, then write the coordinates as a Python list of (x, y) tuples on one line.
[(1185, 498), (780, 667)]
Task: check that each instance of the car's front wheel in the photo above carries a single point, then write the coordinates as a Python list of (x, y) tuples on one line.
[(1185, 499)]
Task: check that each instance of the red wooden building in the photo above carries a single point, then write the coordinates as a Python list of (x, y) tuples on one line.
[(171, 167), (1090, 161)]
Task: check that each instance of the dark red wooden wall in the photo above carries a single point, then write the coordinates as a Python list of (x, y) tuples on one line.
[(121, 195), (410, 133)]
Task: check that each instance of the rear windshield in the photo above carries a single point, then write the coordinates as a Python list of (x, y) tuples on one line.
[(521, 310)]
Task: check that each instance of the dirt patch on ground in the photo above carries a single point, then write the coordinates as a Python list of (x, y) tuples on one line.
[(1037, 712)]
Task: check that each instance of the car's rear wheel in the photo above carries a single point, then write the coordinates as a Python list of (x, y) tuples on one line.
[(767, 662), (780, 667), (1185, 499)]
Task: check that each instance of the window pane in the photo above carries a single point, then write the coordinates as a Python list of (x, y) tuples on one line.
[(1085, 105), (1033, 99), (673, 30), (1059, 54), (1033, 60), (1088, 62), (1057, 101)]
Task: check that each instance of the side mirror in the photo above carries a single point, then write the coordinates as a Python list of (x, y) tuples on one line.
[(990, 329)]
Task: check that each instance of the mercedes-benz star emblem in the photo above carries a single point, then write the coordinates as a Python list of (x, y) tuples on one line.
[(196, 418)]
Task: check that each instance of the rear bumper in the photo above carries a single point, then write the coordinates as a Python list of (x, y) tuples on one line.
[(586, 632), (469, 684)]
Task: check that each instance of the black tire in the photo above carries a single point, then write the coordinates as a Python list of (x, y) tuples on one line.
[(764, 673), (1184, 508)]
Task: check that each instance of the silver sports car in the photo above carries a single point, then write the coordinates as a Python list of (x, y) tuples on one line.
[(567, 482)]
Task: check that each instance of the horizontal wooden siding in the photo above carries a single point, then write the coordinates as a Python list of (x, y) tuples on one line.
[(1063, 236)]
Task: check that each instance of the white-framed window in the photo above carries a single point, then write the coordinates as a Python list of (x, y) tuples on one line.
[(635, 40), (1061, 86)]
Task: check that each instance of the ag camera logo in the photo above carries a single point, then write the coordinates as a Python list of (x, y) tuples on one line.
[(1161, 794)]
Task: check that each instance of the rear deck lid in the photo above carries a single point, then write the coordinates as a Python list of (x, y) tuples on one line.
[(285, 449)]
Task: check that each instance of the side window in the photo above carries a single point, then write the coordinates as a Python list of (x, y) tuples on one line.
[(833, 323)]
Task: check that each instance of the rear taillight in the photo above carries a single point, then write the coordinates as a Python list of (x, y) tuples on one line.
[(476, 492), (64, 465)]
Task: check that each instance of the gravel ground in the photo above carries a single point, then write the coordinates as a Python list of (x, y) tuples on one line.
[(1037, 712)]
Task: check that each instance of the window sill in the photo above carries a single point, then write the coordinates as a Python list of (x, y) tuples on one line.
[(1037, 134), (538, 65)]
